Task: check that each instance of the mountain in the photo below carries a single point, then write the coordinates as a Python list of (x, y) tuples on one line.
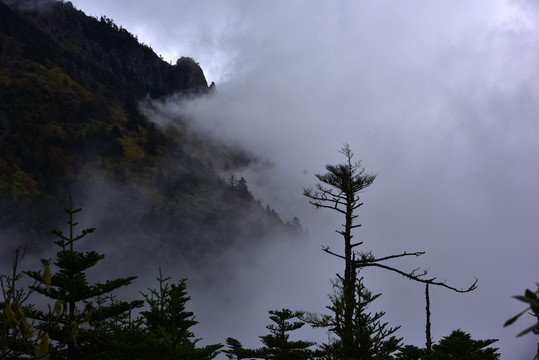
[(72, 90)]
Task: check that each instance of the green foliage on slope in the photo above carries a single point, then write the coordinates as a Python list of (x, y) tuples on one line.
[(71, 124)]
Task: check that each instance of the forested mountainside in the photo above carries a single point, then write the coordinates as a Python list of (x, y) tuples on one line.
[(71, 124)]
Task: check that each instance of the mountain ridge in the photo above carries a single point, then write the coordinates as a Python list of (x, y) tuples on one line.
[(126, 59), (71, 124)]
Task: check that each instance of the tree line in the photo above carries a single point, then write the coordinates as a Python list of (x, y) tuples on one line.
[(86, 320)]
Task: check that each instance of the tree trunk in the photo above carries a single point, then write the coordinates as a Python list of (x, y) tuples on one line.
[(428, 345), (349, 285)]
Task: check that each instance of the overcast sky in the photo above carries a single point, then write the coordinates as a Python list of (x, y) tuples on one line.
[(439, 98)]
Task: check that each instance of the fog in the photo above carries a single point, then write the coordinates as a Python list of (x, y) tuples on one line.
[(437, 98)]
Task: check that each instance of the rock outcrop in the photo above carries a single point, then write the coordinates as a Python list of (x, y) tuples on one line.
[(109, 49)]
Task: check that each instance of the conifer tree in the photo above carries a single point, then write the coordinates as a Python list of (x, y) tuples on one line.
[(236, 351), (168, 324), (411, 352), (69, 322), (339, 192), (278, 345), (457, 345), (373, 339), (242, 189), (460, 345)]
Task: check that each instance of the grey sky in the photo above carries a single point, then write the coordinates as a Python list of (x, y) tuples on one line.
[(438, 98)]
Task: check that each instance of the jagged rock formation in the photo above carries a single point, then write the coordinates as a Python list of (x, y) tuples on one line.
[(189, 76), (110, 49)]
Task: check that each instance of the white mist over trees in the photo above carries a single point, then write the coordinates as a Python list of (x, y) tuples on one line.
[(100, 330), (440, 98)]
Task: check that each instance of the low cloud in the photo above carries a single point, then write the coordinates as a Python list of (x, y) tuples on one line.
[(439, 99)]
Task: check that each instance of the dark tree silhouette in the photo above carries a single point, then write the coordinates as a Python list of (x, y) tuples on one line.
[(372, 338), (428, 343), (69, 322), (457, 345), (342, 185), (236, 351), (345, 182), (278, 345), (168, 324), (460, 345)]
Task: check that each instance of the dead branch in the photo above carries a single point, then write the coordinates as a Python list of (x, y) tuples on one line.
[(417, 253), (417, 277)]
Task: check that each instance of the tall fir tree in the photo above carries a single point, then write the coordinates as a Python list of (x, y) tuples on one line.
[(339, 191), (69, 322)]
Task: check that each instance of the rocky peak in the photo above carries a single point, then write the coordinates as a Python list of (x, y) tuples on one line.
[(110, 49), (188, 75)]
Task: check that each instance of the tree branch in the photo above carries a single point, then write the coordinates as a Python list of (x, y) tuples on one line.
[(327, 191), (418, 278), (418, 253), (320, 205), (356, 206), (326, 249)]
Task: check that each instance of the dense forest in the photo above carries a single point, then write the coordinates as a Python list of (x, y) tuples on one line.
[(76, 107)]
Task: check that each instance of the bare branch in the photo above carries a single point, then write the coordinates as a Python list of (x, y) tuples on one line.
[(319, 205), (418, 278), (418, 253), (355, 206), (329, 192), (326, 249)]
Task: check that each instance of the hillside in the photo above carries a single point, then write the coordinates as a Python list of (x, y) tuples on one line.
[(71, 124)]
